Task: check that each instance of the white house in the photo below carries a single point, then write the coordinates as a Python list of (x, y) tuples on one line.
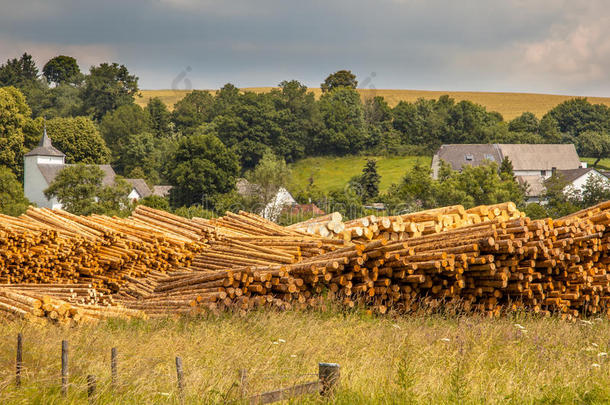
[(272, 210), (532, 163), (42, 165)]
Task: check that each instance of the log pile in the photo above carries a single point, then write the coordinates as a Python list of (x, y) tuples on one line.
[(53, 246), (486, 259), (62, 304), (405, 226)]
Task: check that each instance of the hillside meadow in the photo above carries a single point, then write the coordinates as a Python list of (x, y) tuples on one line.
[(418, 359), (510, 105), (332, 173)]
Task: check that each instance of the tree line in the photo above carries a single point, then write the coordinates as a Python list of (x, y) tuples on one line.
[(209, 139)]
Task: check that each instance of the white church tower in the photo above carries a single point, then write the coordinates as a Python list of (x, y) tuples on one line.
[(44, 158)]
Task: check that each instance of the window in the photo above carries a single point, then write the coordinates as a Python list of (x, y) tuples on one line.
[(469, 157), (490, 157), (543, 172)]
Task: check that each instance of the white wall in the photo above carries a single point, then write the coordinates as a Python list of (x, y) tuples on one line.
[(34, 183), (580, 182)]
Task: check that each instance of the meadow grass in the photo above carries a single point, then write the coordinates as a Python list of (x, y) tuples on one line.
[(510, 105), (331, 173), (419, 359)]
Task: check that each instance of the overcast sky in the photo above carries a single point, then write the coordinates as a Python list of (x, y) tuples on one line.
[(548, 46)]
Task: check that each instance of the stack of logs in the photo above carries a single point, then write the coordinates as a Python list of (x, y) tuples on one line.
[(405, 226), (487, 259)]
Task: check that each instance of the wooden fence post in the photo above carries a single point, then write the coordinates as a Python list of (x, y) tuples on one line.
[(243, 382), (19, 360), (113, 367), (91, 388), (180, 378), (64, 367), (329, 375)]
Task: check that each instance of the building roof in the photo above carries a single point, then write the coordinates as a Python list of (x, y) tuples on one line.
[(245, 188), (571, 175), (45, 147), (50, 172), (304, 208), (458, 155), (523, 156), (161, 191), (535, 185), (541, 156), (140, 186)]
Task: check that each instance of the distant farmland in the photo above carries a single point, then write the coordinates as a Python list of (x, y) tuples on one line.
[(510, 105)]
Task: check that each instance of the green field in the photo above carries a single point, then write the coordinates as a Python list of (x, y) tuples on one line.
[(603, 164), (331, 173)]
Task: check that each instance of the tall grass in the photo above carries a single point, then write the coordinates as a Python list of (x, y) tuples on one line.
[(416, 359)]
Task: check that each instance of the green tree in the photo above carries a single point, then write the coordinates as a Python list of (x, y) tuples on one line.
[(526, 122), (269, 175), (119, 125), (594, 144), (18, 72), (192, 110), (341, 78), (76, 188), (202, 167), (160, 118), (12, 200), (62, 69), (108, 87), (250, 127), (155, 201), (595, 190), (506, 167), (343, 116), (144, 151), (78, 138), (370, 180), (63, 100), (578, 115), (80, 190), (14, 115), (113, 200), (298, 118), (558, 204)]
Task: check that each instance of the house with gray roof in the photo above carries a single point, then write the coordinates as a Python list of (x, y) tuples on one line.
[(42, 165), (532, 163)]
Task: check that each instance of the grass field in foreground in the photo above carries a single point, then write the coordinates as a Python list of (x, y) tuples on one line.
[(331, 173), (413, 359), (510, 105)]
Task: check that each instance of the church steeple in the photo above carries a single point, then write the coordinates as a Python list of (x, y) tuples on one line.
[(45, 147), (45, 141)]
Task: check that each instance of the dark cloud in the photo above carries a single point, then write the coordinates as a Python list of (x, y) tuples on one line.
[(554, 46)]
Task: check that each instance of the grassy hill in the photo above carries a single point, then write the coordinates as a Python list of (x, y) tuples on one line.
[(334, 172), (510, 105)]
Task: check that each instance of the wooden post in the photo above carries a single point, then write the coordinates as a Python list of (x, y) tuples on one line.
[(243, 382), (180, 378), (91, 387), (19, 361), (329, 374), (113, 367), (64, 367)]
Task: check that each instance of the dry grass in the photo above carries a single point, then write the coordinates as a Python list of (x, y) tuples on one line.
[(416, 359), (510, 105)]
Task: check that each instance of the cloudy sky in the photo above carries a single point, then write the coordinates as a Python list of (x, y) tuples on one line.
[(549, 46)]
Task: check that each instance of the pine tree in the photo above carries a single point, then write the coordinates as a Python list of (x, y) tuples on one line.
[(370, 180), (507, 167)]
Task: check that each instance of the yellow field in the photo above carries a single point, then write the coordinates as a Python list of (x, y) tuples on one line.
[(510, 105), (419, 359)]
